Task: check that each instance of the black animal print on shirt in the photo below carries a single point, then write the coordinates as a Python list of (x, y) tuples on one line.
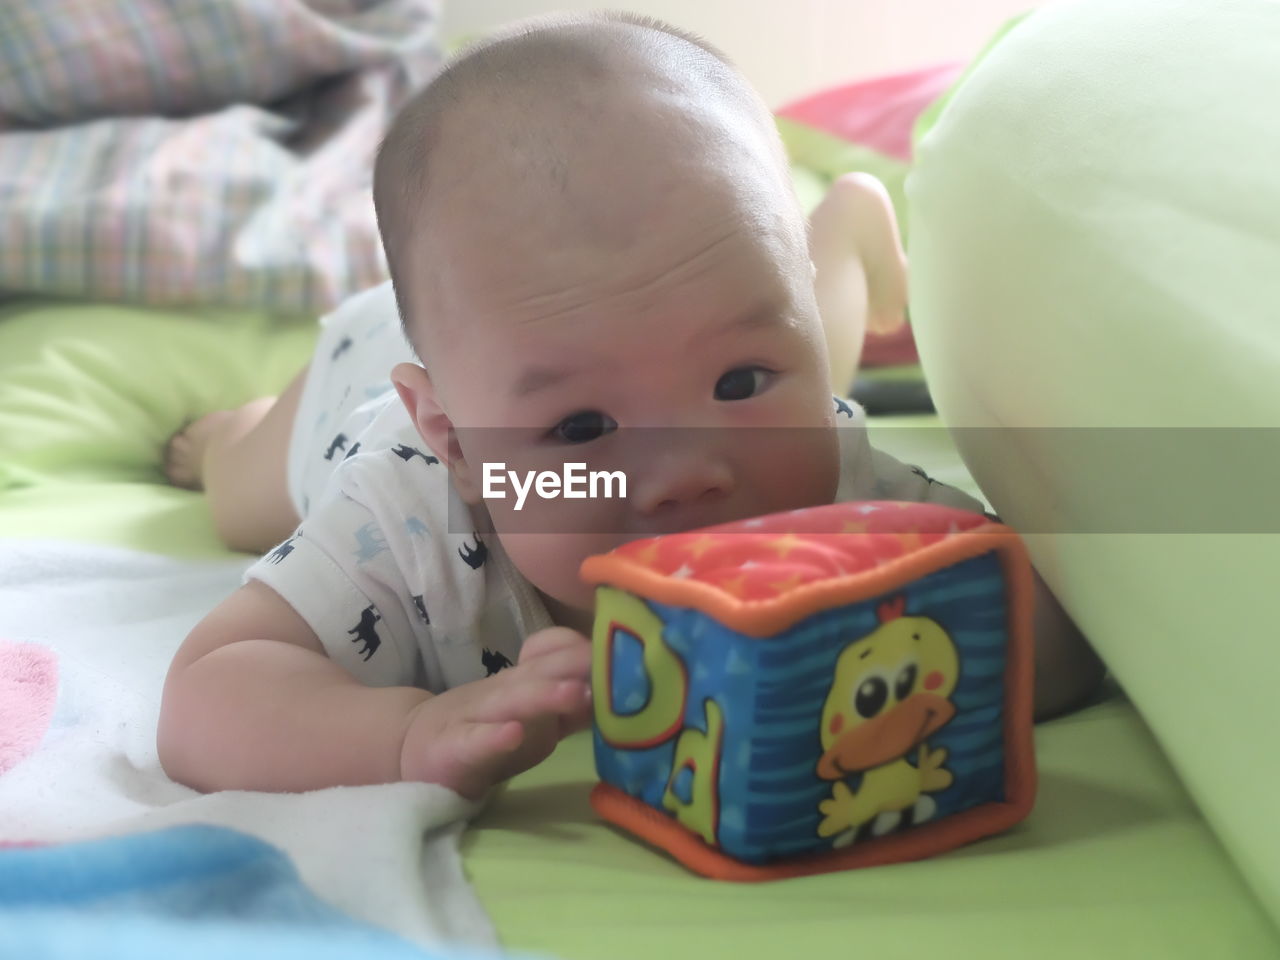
[(280, 552), (493, 661), (422, 608), (474, 557), (366, 633), (339, 443), (343, 346), (407, 453), (842, 407), (922, 475)]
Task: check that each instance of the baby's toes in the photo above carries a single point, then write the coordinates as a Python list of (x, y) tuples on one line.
[(182, 462), (184, 453)]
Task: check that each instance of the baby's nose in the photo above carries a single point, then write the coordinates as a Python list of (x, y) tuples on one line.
[(676, 483)]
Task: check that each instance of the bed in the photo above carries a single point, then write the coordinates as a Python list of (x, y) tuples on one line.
[(103, 566)]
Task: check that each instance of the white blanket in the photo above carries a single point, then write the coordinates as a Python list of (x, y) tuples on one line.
[(388, 855)]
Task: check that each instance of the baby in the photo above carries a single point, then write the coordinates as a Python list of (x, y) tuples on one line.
[(591, 229)]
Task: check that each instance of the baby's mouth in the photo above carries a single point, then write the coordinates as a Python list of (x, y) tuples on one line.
[(682, 520), (660, 528)]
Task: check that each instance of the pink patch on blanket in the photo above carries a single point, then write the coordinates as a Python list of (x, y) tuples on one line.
[(28, 694)]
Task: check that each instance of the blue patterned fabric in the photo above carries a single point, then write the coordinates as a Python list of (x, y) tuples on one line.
[(193, 891)]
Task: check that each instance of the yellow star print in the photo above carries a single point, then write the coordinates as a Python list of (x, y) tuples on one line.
[(910, 539), (790, 583), (701, 545), (785, 544), (647, 555)]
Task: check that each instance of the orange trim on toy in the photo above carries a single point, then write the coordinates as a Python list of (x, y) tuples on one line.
[(689, 849), (764, 618)]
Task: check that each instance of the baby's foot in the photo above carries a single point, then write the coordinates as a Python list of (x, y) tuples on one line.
[(184, 453)]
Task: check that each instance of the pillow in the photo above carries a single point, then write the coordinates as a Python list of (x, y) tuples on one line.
[(70, 60), (91, 392), (1094, 254), (214, 152)]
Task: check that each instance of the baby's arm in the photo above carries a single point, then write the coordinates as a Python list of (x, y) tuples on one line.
[(252, 702), (1067, 670)]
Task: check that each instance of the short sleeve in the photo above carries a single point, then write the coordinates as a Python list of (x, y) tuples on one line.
[(338, 573), (895, 480), (870, 474)]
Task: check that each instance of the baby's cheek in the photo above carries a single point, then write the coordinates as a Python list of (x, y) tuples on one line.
[(551, 561), (792, 469)]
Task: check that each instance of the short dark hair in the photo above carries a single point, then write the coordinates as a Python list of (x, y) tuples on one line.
[(553, 45)]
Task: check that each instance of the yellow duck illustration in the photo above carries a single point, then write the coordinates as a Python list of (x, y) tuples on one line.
[(889, 694)]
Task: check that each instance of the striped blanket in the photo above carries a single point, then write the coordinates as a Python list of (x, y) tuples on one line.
[(214, 152)]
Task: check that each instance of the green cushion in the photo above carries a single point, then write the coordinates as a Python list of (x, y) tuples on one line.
[(817, 158), (90, 393), (1114, 862), (1095, 246)]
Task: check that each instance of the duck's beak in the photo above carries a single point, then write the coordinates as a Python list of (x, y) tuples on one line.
[(889, 736)]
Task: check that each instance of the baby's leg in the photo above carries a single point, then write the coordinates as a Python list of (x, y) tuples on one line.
[(861, 278), (240, 458)]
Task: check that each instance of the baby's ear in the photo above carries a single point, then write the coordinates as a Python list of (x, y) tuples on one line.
[(418, 394)]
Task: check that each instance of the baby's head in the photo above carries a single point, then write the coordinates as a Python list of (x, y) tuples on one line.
[(591, 230)]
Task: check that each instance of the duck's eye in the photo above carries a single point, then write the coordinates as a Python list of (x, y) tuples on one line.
[(905, 681), (871, 696), (741, 383), (583, 427)]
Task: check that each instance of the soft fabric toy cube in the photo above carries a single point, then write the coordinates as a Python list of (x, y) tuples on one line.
[(843, 686)]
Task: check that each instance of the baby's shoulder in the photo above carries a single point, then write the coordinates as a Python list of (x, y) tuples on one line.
[(392, 515), (401, 483), (868, 472)]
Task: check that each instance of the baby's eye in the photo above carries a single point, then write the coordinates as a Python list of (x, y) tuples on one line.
[(741, 383), (583, 427)]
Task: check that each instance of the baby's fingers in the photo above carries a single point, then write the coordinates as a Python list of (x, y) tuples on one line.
[(549, 641), (577, 719), (526, 697), (467, 757), (567, 662)]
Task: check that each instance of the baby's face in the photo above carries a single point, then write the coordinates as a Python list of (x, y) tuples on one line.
[(654, 315), (693, 362)]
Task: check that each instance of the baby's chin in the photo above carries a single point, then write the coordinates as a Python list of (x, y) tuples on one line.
[(576, 615), (550, 562)]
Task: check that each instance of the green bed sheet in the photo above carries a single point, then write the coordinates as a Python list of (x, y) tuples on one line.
[(1115, 860)]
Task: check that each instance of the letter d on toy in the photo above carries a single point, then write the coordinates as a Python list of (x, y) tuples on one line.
[(621, 617), (693, 789)]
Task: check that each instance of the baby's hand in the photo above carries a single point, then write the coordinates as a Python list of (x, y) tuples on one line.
[(480, 733)]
